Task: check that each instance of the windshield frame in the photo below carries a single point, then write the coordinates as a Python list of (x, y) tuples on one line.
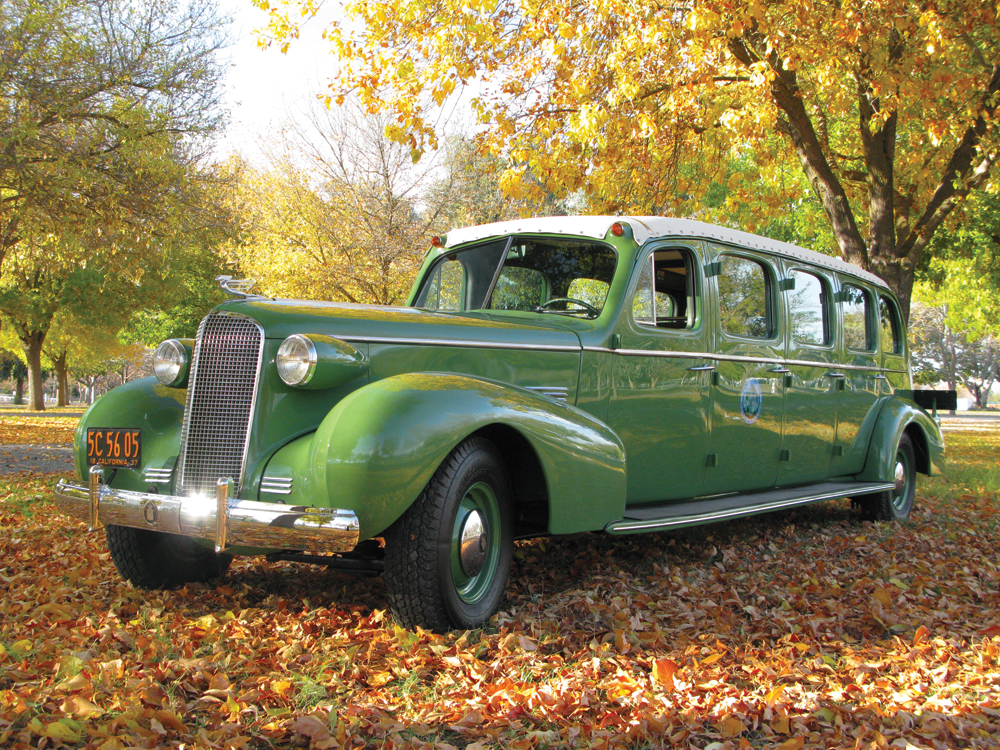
[(455, 253)]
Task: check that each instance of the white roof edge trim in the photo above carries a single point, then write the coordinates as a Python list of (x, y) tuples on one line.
[(645, 228)]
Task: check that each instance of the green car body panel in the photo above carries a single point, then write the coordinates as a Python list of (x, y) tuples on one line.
[(899, 415), (146, 405), (616, 366), (378, 448)]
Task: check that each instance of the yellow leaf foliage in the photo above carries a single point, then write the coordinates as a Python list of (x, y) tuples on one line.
[(628, 100)]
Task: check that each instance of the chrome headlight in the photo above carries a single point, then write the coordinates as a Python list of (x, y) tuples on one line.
[(296, 360), (170, 363)]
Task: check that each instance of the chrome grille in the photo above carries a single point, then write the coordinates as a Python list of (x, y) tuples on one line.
[(220, 400)]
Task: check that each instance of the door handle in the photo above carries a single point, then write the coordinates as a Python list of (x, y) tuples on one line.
[(701, 368)]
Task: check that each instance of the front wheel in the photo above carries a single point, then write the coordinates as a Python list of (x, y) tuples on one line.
[(895, 504), (449, 555), (154, 560)]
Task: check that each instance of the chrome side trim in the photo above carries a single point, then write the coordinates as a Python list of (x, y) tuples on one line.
[(672, 354), (276, 485), (625, 527), (467, 344), (556, 392), (157, 475), (246, 523)]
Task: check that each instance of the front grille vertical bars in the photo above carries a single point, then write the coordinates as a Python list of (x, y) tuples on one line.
[(215, 433)]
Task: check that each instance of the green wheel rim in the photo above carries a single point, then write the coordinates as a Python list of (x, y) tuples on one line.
[(901, 478), (478, 511)]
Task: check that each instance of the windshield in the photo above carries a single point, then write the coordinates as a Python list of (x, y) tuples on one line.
[(561, 276)]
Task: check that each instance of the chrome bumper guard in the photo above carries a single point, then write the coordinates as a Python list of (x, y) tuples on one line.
[(228, 521)]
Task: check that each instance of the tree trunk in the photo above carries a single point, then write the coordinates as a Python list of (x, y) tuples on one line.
[(62, 380), (31, 343), (18, 391)]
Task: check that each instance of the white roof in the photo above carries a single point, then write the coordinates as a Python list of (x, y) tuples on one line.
[(651, 227)]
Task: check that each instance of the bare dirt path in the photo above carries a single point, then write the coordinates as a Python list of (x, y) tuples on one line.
[(43, 459)]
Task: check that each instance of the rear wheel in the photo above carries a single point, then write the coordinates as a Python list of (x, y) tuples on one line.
[(449, 555), (154, 560), (895, 504)]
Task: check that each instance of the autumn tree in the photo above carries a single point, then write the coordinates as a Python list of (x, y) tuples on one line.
[(88, 85), (108, 105), (939, 352), (12, 368), (887, 107), (337, 213), (469, 191)]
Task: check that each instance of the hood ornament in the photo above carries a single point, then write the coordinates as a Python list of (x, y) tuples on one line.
[(236, 287)]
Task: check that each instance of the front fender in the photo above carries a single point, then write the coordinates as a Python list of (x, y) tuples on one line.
[(379, 447), (145, 405), (898, 415)]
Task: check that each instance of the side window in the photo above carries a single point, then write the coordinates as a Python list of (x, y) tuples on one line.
[(857, 320), (810, 308), (518, 289), (592, 291), (665, 294), (890, 337), (642, 302), (744, 298), (444, 292)]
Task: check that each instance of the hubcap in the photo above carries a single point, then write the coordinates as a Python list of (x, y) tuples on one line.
[(900, 479), (474, 545), (475, 548)]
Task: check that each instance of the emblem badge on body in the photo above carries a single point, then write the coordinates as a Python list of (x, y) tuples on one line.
[(751, 400)]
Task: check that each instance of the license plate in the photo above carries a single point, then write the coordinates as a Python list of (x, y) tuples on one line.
[(113, 447)]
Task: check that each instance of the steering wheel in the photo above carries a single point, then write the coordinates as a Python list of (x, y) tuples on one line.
[(588, 307)]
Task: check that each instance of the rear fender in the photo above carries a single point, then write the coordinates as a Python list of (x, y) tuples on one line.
[(379, 447), (899, 415)]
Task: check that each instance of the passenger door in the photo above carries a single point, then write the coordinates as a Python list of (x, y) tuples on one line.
[(892, 344), (813, 388), (860, 373), (661, 377), (745, 444)]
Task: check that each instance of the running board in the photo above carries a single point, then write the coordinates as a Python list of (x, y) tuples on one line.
[(677, 515)]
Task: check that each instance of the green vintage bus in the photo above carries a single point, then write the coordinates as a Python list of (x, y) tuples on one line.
[(547, 376)]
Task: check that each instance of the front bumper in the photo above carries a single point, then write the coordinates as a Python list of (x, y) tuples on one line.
[(228, 521)]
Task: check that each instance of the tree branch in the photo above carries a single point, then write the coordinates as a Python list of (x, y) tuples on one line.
[(750, 49), (959, 171)]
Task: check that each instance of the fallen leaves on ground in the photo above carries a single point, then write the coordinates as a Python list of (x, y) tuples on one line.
[(798, 630), (31, 430)]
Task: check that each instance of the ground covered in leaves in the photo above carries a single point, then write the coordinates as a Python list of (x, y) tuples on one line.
[(26, 429), (797, 630)]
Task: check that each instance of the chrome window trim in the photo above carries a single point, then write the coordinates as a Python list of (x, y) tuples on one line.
[(186, 422), (828, 309)]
